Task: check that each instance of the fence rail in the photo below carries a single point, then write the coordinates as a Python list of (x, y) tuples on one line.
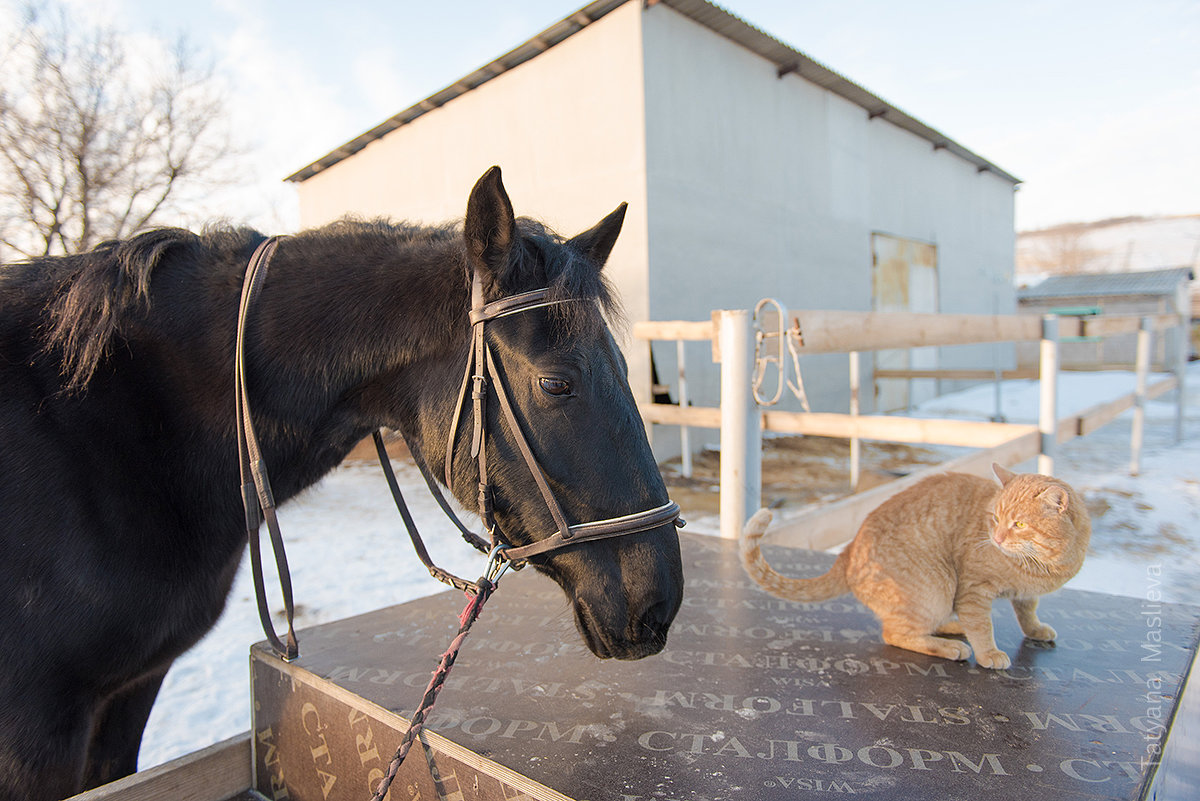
[(741, 422)]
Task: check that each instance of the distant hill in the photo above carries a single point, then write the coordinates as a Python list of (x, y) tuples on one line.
[(1126, 244)]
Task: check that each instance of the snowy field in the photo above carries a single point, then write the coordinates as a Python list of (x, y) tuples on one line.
[(349, 554)]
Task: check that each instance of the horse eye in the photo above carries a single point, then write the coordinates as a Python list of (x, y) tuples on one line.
[(555, 386)]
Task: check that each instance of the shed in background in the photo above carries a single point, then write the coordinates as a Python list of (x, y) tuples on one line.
[(1144, 292)]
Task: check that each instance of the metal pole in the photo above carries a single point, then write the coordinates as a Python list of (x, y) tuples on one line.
[(1141, 369), (997, 380), (1048, 395), (685, 440), (855, 454), (1181, 357), (741, 436)]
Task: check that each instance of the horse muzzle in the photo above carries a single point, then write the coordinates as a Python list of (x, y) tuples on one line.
[(624, 606)]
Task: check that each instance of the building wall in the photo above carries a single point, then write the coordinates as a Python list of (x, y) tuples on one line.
[(566, 129), (765, 186)]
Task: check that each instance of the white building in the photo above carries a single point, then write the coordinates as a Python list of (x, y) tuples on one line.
[(750, 170)]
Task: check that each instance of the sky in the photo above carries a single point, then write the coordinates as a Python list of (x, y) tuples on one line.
[(1095, 105)]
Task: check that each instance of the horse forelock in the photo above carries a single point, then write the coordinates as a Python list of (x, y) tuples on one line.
[(583, 299)]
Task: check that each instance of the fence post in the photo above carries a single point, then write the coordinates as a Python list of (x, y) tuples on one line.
[(855, 455), (1048, 395), (997, 383), (1183, 344), (1141, 370), (741, 424), (685, 439)]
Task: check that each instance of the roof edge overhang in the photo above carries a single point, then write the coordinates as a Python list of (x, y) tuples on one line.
[(787, 61), (530, 49)]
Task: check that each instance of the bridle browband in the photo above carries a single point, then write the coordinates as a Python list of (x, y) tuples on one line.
[(480, 375)]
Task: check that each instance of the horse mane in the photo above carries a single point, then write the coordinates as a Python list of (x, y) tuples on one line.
[(109, 283), (542, 259), (569, 276), (104, 287)]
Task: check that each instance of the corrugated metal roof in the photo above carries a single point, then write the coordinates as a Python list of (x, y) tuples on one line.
[(1147, 282), (786, 59)]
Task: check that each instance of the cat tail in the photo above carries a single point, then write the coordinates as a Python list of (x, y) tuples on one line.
[(820, 588)]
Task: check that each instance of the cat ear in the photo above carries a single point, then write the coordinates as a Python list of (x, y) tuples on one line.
[(1004, 475), (1055, 497)]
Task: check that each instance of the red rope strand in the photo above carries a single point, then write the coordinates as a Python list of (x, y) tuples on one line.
[(469, 615)]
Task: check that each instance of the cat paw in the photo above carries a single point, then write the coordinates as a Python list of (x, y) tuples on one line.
[(1042, 632), (951, 649), (994, 659), (963, 652)]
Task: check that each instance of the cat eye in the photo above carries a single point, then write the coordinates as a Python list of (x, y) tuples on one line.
[(557, 387), (1020, 524)]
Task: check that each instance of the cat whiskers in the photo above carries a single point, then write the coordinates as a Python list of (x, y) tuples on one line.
[(1031, 562), (985, 540)]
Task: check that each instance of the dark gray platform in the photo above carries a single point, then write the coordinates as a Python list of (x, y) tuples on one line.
[(754, 698)]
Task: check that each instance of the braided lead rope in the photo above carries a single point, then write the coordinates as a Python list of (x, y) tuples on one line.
[(469, 615)]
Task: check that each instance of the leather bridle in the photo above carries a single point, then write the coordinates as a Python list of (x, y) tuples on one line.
[(480, 376)]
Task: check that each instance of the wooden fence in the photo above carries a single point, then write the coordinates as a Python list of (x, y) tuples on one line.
[(742, 422)]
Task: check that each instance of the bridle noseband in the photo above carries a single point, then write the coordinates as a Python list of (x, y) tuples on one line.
[(481, 377)]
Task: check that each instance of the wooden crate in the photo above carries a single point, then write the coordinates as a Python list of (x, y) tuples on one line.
[(753, 698)]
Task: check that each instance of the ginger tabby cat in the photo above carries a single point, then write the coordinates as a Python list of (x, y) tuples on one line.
[(947, 546)]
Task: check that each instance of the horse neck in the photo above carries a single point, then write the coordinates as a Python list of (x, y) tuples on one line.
[(340, 317), (373, 296)]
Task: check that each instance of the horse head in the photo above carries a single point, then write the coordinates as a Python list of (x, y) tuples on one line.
[(565, 382)]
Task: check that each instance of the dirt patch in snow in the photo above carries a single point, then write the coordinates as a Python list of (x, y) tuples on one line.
[(798, 471)]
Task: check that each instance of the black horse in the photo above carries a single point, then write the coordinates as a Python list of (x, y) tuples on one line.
[(120, 506)]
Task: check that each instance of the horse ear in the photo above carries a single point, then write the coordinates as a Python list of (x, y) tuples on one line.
[(490, 227), (1005, 476), (598, 242)]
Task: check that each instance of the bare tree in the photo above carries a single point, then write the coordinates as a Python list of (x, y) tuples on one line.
[(95, 144), (1063, 249)]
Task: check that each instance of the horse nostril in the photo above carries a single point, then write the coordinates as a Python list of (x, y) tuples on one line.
[(658, 616)]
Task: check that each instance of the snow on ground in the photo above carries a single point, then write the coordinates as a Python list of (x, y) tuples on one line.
[(349, 554)]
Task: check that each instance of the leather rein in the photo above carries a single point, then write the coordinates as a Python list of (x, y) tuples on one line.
[(480, 376)]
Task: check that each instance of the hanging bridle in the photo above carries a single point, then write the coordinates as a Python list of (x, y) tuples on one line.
[(480, 376)]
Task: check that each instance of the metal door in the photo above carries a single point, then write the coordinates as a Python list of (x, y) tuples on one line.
[(904, 279)]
